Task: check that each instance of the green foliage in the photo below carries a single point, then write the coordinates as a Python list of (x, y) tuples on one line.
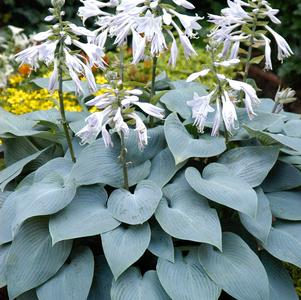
[(202, 215)]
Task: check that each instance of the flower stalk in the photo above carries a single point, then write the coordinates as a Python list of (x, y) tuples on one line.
[(123, 152), (153, 83)]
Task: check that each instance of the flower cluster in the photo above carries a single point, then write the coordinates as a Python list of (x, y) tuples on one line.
[(225, 94), (148, 22), (247, 22), (117, 107), (54, 47)]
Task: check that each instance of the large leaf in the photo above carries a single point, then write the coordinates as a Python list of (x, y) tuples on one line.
[(32, 259), (138, 207), (183, 145), (282, 177), (272, 138), (284, 242), (125, 245), (30, 295), (8, 214), (133, 286), (102, 281), (286, 205), (99, 164), (237, 269), (3, 255), (220, 185), (251, 164), (43, 198), (292, 128), (161, 243), (260, 225), (176, 100), (163, 167), (86, 215), (281, 284), (73, 280), (186, 279), (186, 215), (14, 170)]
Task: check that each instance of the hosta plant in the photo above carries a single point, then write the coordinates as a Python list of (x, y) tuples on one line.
[(168, 190)]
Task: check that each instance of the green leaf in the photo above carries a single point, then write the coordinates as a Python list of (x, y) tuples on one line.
[(32, 259), (237, 270), (282, 177), (30, 295), (257, 60), (251, 164), (86, 215), (138, 207), (183, 145), (272, 138), (281, 284), (284, 242), (133, 286), (163, 167), (219, 185), (102, 281), (125, 245), (99, 164), (259, 226), (14, 170), (73, 280), (41, 199), (286, 205), (161, 243), (3, 256), (186, 215), (186, 279), (292, 128), (176, 100)]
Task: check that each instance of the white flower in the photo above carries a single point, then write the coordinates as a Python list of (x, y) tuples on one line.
[(106, 136), (173, 52), (284, 49), (229, 113), (151, 110), (42, 36), (138, 46), (197, 75), (268, 60), (53, 79), (184, 3), (200, 109), (217, 120), (227, 63), (141, 131), (120, 125)]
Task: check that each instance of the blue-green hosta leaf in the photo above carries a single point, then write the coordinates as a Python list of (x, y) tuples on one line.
[(14, 170), (3, 197), (286, 205), (281, 284), (138, 207), (237, 270), (32, 259), (219, 185), (183, 145), (176, 100), (131, 285), (186, 279), (163, 167), (282, 177), (161, 243), (251, 164), (292, 128), (284, 242), (86, 215), (272, 138), (259, 226), (186, 215), (125, 245), (8, 214), (102, 281), (43, 199), (99, 164), (4, 249), (73, 280)]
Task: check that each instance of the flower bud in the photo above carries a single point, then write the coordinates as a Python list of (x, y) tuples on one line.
[(285, 96), (58, 3)]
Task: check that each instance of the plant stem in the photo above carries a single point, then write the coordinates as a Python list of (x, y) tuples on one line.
[(123, 152), (121, 63), (153, 83), (61, 100)]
